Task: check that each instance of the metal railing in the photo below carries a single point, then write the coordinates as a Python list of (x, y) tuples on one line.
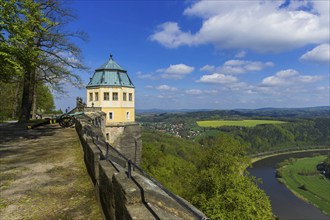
[(132, 166)]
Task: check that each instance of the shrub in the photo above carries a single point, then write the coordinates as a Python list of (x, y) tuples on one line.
[(303, 187)]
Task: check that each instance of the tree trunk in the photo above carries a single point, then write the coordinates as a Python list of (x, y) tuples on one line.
[(34, 104), (16, 100), (27, 97)]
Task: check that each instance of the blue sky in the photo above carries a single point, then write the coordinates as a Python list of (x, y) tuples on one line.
[(210, 54)]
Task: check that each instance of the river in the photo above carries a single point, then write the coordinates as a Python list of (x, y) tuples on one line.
[(285, 204)]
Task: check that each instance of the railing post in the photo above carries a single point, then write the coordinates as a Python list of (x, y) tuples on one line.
[(129, 169), (107, 151)]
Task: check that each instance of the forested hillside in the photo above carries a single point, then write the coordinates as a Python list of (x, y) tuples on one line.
[(271, 137), (210, 176), (304, 128), (205, 165)]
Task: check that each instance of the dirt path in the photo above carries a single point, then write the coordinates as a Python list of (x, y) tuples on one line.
[(43, 176)]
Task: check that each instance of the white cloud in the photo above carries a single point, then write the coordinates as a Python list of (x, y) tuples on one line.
[(69, 57), (194, 92), (217, 78), (242, 66), (288, 77), (286, 73), (239, 86), (166, 88), (170, 35), (146, 76), (177, 71), (241, 54), (320, 54), (212, 91), (168, 97), (207, 68), (263, 26)]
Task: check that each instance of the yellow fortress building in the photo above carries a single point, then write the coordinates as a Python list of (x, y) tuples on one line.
[(112, 90)]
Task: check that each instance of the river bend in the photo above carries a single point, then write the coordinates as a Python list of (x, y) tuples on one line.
[(284, 203)]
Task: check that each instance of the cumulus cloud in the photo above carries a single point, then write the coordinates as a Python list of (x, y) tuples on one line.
[(320, 54), (194, 92), (170, 35), (217, 78), (146, 76), (207, 68), (166, 88), (263, 26), (288, 77), (243, 66), (177, 71)]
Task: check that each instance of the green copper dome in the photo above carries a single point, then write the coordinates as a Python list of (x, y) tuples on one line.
[(110, 65), (110, 74)]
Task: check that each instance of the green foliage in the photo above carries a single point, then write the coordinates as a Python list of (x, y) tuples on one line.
[(286, 162), (209, 171), (327, 161), (45, 99), (313, 130), (11, 94), (211, 177), (301, 133), (223, 192), (35, 47), (169, 160), (302, 178)]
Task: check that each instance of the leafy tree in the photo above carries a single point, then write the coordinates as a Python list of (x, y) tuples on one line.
[(35, 43), (10, 96), (10, 93), (211, 177), (44, 99), (222, 191)]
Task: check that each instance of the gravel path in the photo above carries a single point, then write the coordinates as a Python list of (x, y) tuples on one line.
[(43, 176)]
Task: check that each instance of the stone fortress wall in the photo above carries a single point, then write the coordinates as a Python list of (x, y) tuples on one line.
[(122, 194)]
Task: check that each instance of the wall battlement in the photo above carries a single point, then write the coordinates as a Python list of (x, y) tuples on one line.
[(119, 196)]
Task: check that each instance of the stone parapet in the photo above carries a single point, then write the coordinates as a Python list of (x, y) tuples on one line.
[(119, 196)]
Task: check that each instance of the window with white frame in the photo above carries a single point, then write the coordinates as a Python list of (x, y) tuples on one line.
[(115, 96), (106, 96), (96, 96), (127, 115), (90, 96), (111, 115)]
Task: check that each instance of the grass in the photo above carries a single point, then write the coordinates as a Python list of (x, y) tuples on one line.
[(302, 178), (240, 123)]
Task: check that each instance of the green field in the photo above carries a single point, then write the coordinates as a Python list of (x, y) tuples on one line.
[(302, 178), (241, 123)]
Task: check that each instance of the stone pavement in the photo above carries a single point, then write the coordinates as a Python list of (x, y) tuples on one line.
[(43, 175)]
